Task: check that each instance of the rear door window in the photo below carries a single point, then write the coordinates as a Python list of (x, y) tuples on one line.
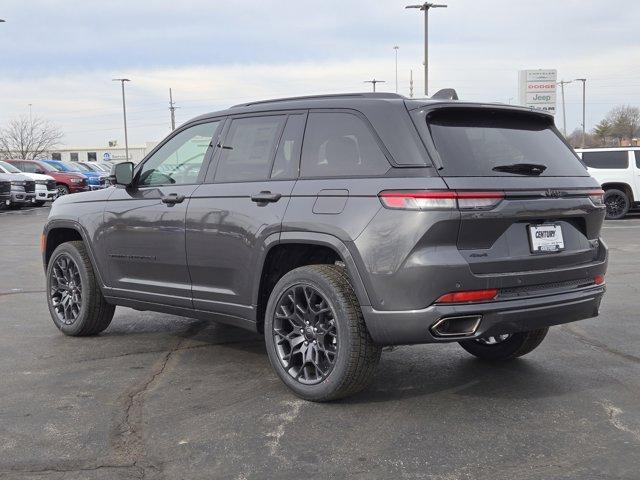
[(248, 149), (472, 142), (339, 144), (614, 159)]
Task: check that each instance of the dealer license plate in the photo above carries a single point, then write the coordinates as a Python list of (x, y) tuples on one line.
[(546, 238)]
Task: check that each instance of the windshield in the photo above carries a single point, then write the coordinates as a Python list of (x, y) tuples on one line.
[(71, 167), (480, 143), (54, 166), (84, 168), (9, 168)]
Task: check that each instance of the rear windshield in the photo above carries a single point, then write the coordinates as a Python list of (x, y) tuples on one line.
[(472, 142)]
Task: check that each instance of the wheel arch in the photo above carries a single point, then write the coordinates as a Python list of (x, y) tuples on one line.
[(57, 232), (625, 187), (298, 249)]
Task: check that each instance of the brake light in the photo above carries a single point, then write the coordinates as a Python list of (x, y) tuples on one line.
[(596, 197), (598, 279), (439, 199), (469, 296)]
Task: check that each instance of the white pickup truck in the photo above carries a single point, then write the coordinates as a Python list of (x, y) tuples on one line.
[(618, 171)]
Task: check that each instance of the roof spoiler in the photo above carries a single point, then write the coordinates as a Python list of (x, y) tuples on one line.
[(445, 94)]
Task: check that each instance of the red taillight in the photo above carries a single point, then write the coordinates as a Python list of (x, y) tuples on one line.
[(596, 197), (470, 296), (598, 279), (440, 199)]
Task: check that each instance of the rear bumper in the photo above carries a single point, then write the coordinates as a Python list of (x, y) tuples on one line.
[(507, 316)]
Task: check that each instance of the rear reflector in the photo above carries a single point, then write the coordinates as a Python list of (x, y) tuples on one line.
[(598, 279), (439, 200), (470, 296), (596, 197)]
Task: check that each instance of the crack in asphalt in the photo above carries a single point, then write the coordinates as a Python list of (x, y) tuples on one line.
[(60, 469), (127, 439), (592, 342)]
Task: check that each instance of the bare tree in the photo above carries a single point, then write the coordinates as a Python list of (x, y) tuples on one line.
[(625, 122), (28, 138)]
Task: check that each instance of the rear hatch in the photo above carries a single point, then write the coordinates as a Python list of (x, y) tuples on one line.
[(547, 213)]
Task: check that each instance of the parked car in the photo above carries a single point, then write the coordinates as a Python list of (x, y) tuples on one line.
[(93, 169), (66, 182), (45, 185), (99, 167), (5, 192), (336, 225), (618, 171), (22, 190), (94, 180)]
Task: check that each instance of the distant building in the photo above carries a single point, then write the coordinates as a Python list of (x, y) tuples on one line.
[(92, 154)]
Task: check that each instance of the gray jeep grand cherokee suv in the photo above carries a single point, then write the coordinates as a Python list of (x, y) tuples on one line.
[(340, 224)]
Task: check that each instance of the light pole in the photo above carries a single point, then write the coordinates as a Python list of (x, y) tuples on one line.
[(373, 82), (584, 104), (425, 7), (124, 113), (562, 83), (396, 49)]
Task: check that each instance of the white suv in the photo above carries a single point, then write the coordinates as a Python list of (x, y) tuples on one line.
[(46, 190), (618, 171)]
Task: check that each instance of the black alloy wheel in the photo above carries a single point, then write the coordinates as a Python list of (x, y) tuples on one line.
[(66, 289), (305, 334), (616, 203)]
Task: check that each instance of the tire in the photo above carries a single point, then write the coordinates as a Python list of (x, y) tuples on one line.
[(16, 206), (62, 190), (513, 346), (39, 203), (617, 204), (346, 371), (93, 314)]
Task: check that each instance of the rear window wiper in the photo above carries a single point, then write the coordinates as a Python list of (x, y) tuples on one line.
[(521, 168)]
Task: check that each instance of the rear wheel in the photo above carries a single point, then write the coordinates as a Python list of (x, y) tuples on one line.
[(74, 297), (316, 337), (504, 347), (617, 204)]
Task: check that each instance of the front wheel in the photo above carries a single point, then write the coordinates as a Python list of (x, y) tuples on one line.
[(62, 190), (505, 347), (617, 204), (74, 297), (39, 203), (316, 337)]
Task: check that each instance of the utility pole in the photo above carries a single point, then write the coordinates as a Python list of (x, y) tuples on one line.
[(425, 7), (373, 82), (562, 83), (411, 83), (396, 49), (584, 104), (172, 109), (124, 113)]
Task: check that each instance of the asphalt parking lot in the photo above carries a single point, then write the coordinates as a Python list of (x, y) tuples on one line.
[(158, 396)]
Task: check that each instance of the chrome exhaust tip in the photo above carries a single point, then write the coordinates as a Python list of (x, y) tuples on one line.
[(464, 326)]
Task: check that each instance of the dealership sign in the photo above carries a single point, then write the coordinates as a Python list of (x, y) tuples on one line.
[(537, 89)]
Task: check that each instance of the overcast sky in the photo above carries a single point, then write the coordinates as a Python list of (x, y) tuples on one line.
[(60, 56)]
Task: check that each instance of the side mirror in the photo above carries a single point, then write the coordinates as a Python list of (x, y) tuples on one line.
[(122, 174)]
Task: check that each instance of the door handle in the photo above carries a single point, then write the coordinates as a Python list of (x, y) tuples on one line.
[(265, 197), (172, 199)]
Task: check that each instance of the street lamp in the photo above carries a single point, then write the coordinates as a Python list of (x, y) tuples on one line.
[(396, 49), (124, 112), (425, 7), (373, 82), (584, 91)]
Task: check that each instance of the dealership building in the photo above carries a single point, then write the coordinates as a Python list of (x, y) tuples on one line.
[(92, 154)]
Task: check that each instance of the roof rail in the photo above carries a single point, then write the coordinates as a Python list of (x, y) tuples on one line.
[(445, 94), (320, 97)]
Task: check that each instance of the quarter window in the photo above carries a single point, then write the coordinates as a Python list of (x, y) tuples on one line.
[(248, 149), (613, 159), (179, 161), (340, 144)]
